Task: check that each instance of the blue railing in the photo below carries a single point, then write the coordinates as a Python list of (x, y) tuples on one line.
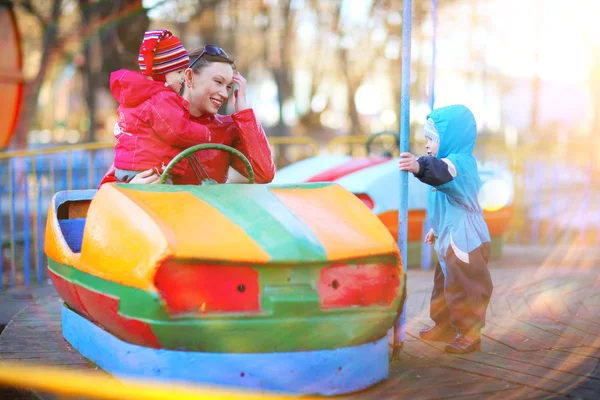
[(28, 180)]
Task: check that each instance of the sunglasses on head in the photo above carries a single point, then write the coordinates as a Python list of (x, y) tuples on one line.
[(210, 50)]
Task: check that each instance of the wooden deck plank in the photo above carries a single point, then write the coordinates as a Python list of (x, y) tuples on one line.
[(582, 370), (544, 368), (494, 367), (583, 351), (519, 308), (515, 340), (499, 306), (569, 357), (577, 331), (566, 362), (35, 335), (579, 310), (417, 304), (433, 382), (520, 392), (425, 380), (551, 333)]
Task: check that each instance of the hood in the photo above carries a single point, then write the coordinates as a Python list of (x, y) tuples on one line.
[(131, 88), (457, 129)]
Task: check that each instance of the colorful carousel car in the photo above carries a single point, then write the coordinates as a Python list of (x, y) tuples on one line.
[(288, 288), (375, 180)]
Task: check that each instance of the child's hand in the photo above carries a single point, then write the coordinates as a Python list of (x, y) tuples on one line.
[(146, 177), (430, 237), (409, 163)]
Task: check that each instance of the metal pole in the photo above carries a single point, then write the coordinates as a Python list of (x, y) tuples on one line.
[(434, 5), (399, 328), (426, 249)]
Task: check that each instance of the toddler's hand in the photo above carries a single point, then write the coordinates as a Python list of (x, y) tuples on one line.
[(408, 162), (430, 237), (146, 177)]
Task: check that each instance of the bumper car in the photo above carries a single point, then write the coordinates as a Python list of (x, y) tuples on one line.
[(375, 180), (288, 288)]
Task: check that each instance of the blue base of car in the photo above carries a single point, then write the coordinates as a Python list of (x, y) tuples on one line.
[(324, 372)]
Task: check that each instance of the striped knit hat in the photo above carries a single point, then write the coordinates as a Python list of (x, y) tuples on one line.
[(162, 52), (431, 131)]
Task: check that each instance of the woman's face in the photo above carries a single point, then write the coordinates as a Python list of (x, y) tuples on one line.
[(209, 89)]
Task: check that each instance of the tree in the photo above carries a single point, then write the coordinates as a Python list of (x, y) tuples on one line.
[(110, 29), (48, 21), (123, 23)]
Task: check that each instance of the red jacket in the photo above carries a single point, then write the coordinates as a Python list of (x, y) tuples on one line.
[(241, 131), (154, 124)]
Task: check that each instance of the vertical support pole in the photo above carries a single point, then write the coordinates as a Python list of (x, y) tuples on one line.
[(70, 171), (90, 170), (400, 326), (26, 227), (13, 221), (39, 243), (2, 175), (432, 71), (426, 249)]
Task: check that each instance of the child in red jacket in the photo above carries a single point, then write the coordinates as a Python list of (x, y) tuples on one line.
[(154, 121)]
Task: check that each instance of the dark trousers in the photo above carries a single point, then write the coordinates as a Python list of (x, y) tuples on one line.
[(460, 299)]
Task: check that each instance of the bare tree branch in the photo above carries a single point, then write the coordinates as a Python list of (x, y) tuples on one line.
[(27, 6)]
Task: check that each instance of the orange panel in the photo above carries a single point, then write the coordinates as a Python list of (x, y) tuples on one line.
[(113, 248), (346, 228), (415, 223), (211, 239), (11, 81), (497, 222)]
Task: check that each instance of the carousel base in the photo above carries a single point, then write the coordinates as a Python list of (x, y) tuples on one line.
[(324, 372)]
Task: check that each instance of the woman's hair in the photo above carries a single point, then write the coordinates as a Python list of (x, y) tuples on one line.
[(208, 59)]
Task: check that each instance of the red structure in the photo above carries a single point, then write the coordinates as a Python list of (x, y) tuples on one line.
[(11, 78)]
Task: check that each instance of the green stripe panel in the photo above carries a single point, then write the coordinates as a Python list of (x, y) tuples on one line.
[(138, 303), (257, 211)]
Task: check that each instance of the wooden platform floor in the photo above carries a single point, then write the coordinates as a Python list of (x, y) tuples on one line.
[(542, 340)]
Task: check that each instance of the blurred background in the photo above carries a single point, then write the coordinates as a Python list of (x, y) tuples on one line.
[(529, 69), (322, 76)]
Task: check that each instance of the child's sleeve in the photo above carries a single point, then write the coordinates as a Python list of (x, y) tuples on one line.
[(171, 122), (444, 175), (434, 171)]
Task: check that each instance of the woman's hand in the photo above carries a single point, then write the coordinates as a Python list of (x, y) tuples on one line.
[(146, 177), (408, 162), (430, 237), (239, 94)]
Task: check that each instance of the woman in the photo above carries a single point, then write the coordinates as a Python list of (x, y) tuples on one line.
[(208, 82)]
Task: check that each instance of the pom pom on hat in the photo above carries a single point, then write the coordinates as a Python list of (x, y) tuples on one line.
[(162, 52)]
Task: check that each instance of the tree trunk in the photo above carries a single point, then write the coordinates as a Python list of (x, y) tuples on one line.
[(32, 87), (88, 70), (352, 84), (357, 128)]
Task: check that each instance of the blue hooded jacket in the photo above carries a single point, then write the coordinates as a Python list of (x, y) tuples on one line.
[(453, 206)]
